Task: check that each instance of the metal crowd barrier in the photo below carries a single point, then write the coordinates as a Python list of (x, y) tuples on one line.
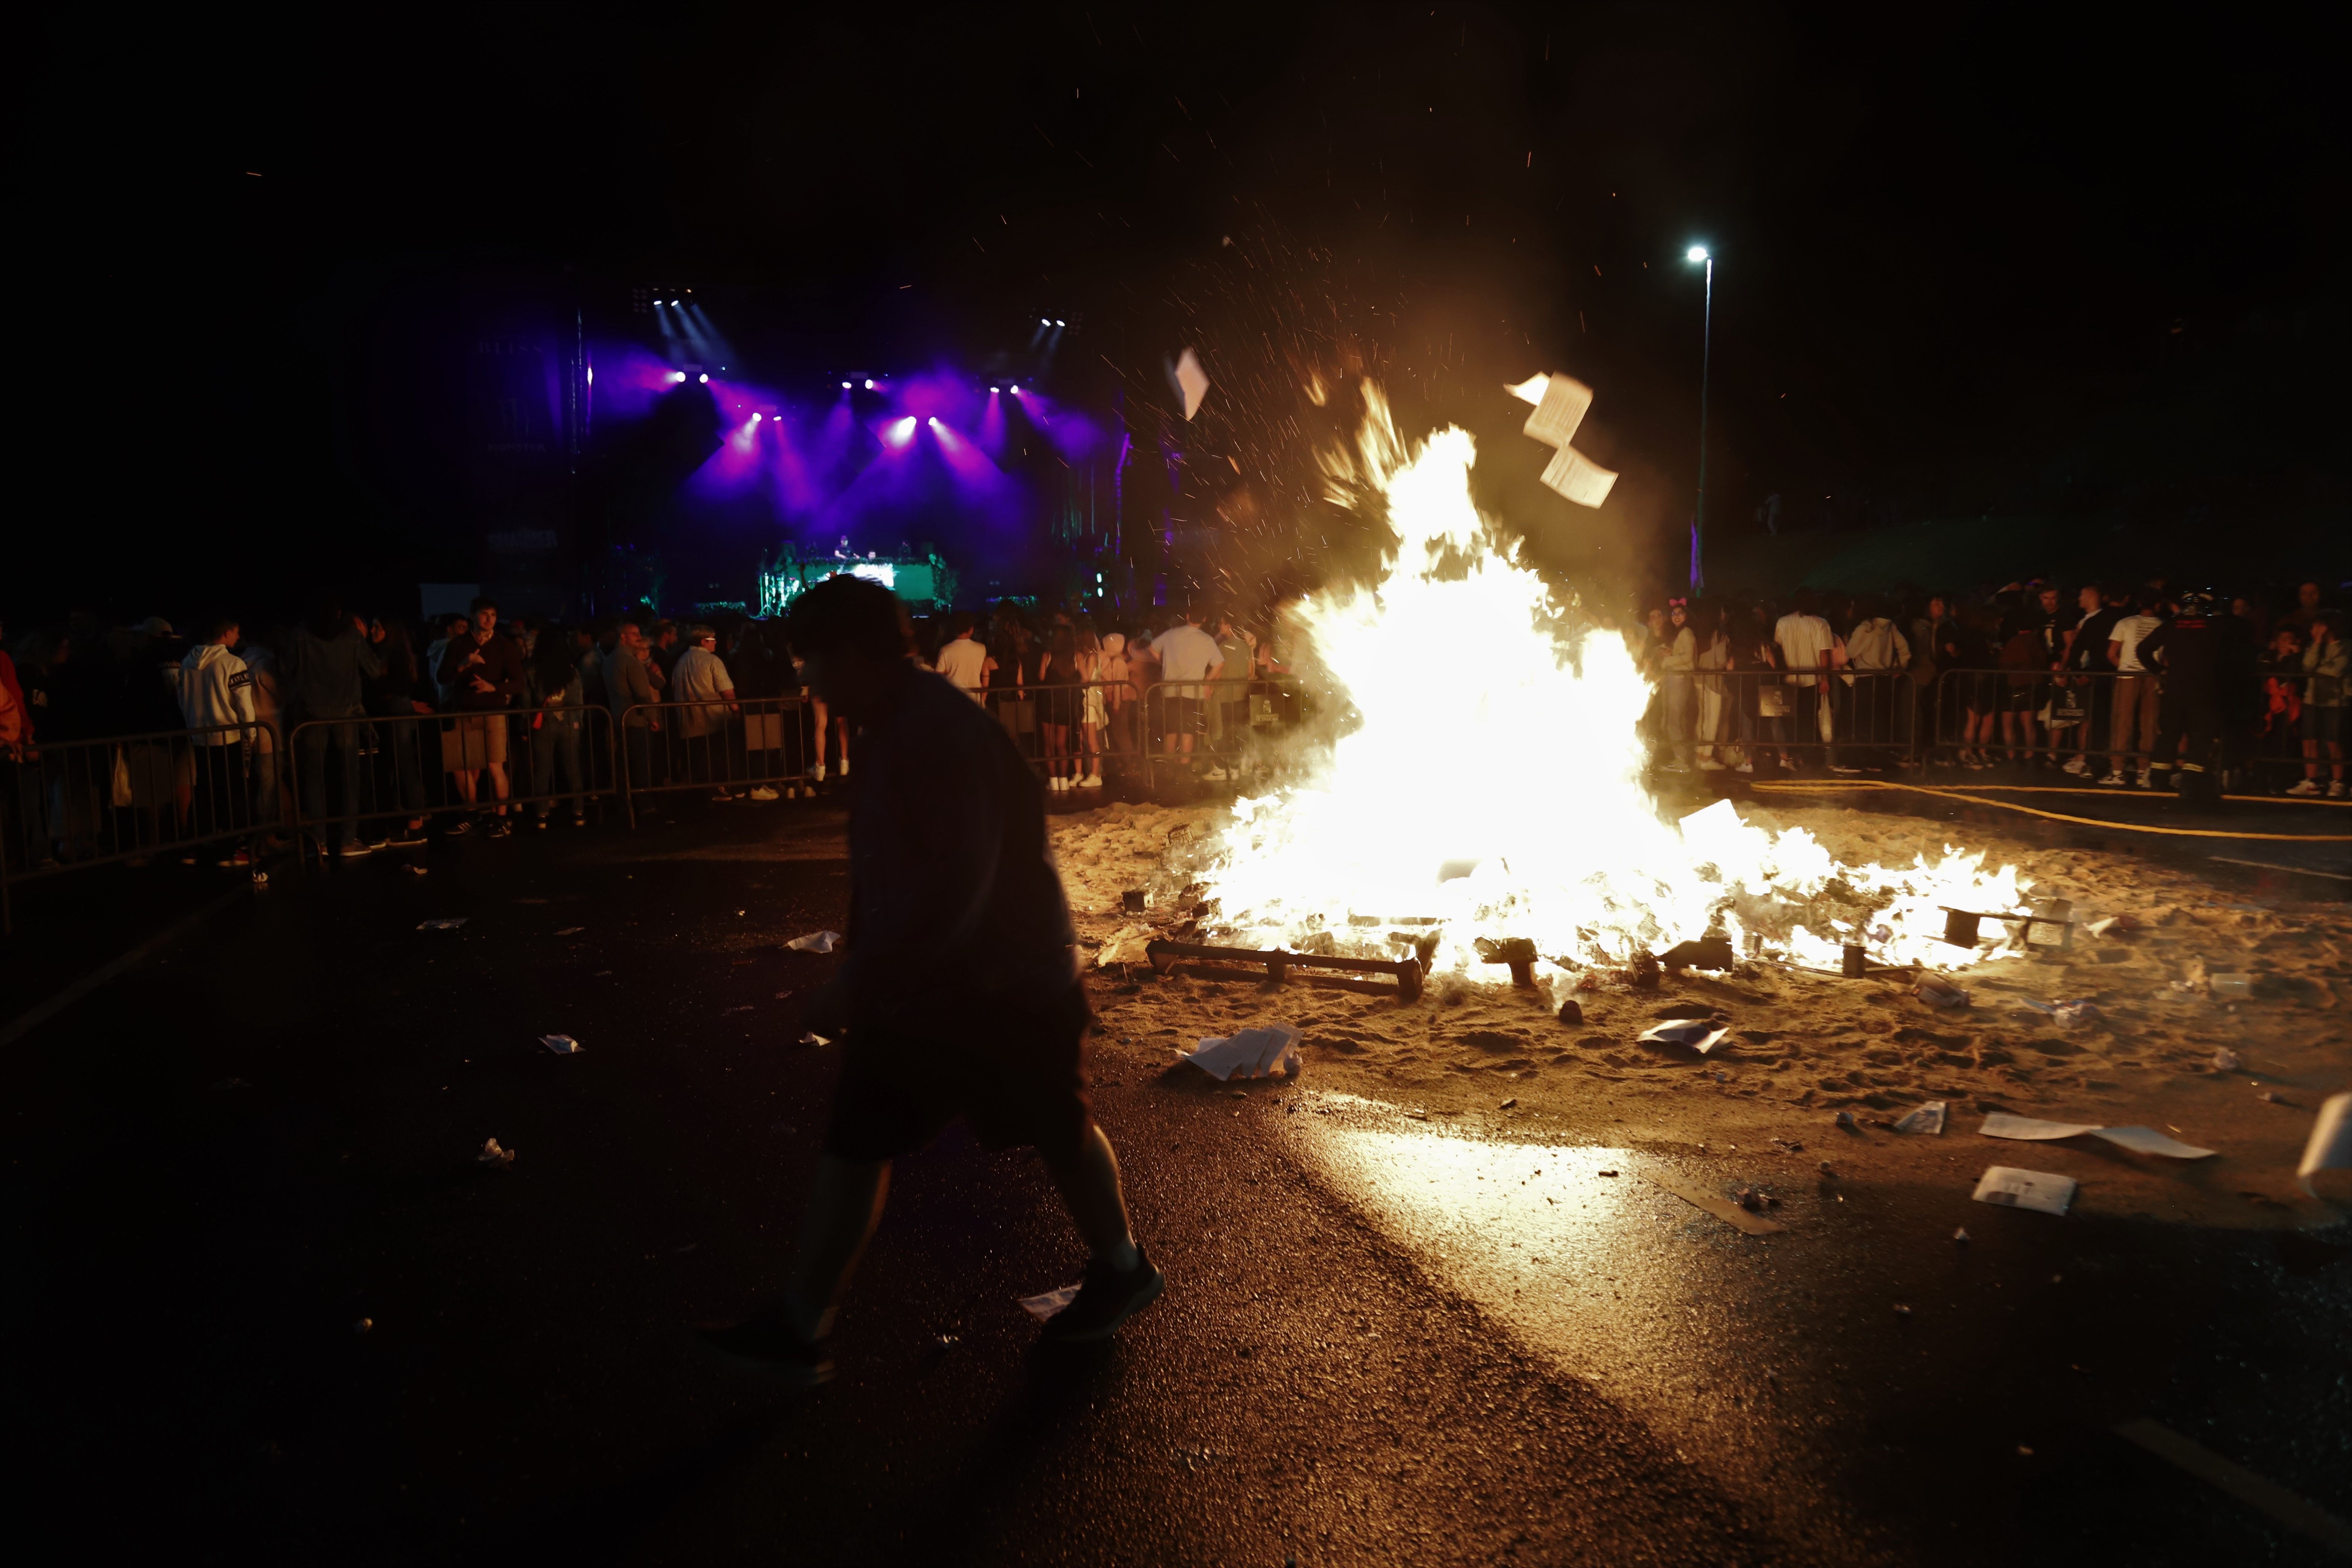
[(2106, 723), (1234, 726), (1759, 718), (67, 805), (368, 768), (751, 742)]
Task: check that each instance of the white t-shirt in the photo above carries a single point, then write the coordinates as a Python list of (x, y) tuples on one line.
[(1186, 655), (2128, 632), (1804, 640), (964, 662)]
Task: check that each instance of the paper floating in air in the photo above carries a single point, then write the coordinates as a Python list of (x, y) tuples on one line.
[(2138, 1140), (2015, 1189), (562, 1045), (2330, 1148), (1561, 401), (1701, 1035), (453, 924), (1191, 381), (816, 942), (1259, 1052), (1928, 1118)]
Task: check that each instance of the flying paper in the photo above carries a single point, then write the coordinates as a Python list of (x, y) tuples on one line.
[(2138, 1140), (1191, 381), (1559, 411), (1577, 477), (2330, 1148)]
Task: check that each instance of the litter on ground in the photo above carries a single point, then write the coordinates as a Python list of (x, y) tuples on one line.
[(2138, 1140), (1259, 1052), (2036, 1190), (1045, 1306), (1701, 1035), (1928, 1118), (815, 941)]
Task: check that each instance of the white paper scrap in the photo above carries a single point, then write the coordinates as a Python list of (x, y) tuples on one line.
[(815, 941), (562, 1045), (1125, 946), (1928, 1118), (1260, 1052), (1701, 1035), (571, 931), (1559, 411), (450, 924), (1577, 477), (2330, 1148), (1530, 390), (2138, 1140), (2016, 1189), (1191, 381), (1044, 1306)]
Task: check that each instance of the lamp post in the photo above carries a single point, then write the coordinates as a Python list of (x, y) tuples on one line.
[(1698, 253)]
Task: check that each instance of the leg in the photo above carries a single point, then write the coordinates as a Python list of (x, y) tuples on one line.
[(843, 1207), (1088, 1182)]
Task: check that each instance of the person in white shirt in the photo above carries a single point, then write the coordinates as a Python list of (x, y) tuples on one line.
[(701, 677), (1808, 649), (215, 694), (1187, 656), (1877, 654), (1678, 658), (2131, 727), (964, 660)]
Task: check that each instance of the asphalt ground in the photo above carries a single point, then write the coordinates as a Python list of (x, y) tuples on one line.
[(226, 1158)]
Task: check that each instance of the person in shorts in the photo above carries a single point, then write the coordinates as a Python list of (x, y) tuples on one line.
[(960, 995)]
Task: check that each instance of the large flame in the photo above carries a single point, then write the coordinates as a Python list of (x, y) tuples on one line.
[(1494, 784)]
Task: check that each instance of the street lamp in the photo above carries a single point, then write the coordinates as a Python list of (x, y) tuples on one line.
[(1698, 253)]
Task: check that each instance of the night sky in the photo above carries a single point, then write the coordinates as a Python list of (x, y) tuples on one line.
[(1988, 263)]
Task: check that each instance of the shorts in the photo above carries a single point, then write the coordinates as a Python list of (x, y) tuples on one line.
[(1018, 1076), (2323, 723), (1183, 716), (475, 743)]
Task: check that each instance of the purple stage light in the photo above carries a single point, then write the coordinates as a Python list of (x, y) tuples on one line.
[(898, 432)]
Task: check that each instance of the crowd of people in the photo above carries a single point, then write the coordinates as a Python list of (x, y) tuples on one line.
[(2117, 684), (374, 727)]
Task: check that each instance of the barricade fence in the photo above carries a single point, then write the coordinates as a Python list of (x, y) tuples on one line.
[(1098, 730), (2118, 727), (519, 763), (69, 804), (723, 748), (1746, 721)]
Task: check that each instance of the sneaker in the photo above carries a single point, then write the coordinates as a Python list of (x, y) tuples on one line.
[(501, 828), (2147, 779), (817, 773), (1216, 774), (767, 1342), (579, 820), (724, 795), (459, 828), (541, 824), (764, 793), (242, 857), (2336, 790), (413, 870), (2113, 780), (2305, 787), (1092, 781), (354, 849), (1842, 768), (1745, 768), (190, 859), (845, 767), (410, 838), (1709, 765), (2077, 767), (1789, 763), (1107, 1298)]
